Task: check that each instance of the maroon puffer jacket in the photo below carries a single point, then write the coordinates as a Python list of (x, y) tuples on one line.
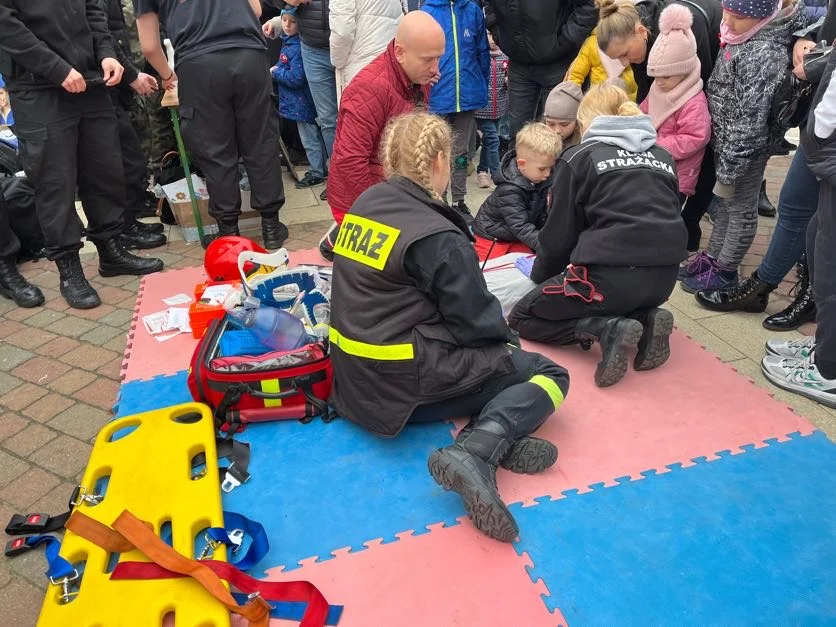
[(380, 92)]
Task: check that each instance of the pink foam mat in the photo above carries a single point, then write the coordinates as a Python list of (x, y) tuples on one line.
[(692, 406), (449, 576), (145, 357)]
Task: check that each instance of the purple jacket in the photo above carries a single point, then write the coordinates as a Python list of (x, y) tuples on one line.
[(685, 135)]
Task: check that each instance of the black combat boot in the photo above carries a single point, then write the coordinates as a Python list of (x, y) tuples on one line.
[(150, 227), (14, 286), (114, 261), (617, 337), (226, 226), (74, 287), (800, 311), (274, 233), (468, 467), (765, 206), (527, 456), (750, 295), (136, 235), (654, 347)]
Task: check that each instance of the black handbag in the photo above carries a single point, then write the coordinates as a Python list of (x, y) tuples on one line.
[(794, 97), (792, 102)]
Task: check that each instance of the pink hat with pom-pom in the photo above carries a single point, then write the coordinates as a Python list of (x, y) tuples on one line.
[(675, 51)]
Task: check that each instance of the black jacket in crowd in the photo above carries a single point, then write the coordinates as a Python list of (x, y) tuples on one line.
[(706, 28), (516, 210), (119, 31), (821, 152), (40, 43), (313, 21), (540, 32), (612, 207)]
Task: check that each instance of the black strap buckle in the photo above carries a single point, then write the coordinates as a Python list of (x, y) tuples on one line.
[(24, 524), (16, 546)]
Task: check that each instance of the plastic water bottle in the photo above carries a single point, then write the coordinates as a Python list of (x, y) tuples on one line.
[(275, 328)]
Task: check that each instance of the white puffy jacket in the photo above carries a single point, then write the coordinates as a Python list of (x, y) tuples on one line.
[(360, 31)]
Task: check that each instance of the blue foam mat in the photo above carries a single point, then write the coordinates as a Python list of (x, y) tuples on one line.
[(320, 487), (747, 539)]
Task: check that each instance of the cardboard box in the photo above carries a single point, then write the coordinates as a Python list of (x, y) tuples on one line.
[(177, 194)]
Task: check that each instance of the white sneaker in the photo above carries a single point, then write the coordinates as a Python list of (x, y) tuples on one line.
[(800, 376), (483, 180), (793, 349)]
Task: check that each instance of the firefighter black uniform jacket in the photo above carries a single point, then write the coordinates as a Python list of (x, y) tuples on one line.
[(412, 321), (615, 202), (41, 42)]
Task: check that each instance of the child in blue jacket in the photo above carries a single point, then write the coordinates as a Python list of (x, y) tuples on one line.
[(296, 102), (462, 88)]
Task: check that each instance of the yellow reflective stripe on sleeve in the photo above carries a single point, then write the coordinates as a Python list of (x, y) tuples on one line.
[(366, 241), (549, 387), (391, 352), (271, 386)]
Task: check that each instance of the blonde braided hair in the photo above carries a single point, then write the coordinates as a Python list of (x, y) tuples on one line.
[(410, 145)]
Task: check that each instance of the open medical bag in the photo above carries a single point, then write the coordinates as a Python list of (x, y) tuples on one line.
[(292, 385)]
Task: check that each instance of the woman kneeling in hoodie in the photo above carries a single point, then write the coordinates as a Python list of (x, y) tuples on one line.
[(608, 255)]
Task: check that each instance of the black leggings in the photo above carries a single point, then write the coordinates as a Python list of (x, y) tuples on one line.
[(550, 313), (697, 205)]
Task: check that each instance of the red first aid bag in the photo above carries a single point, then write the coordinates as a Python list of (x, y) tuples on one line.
[(292, 385)]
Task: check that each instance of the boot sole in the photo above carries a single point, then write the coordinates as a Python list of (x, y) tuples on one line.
[(613, 365), (107, 272), (654, 345), (488, 513), (529, 457)]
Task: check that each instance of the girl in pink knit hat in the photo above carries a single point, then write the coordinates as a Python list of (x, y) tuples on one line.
[(676, 103)]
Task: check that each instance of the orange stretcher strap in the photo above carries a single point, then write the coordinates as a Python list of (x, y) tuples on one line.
[(130, 533)]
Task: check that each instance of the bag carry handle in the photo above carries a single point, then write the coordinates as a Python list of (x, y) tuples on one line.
[(302, 384)]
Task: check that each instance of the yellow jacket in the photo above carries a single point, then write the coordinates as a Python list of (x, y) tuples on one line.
[(588, 64)]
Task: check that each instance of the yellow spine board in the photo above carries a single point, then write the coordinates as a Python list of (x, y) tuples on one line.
[(149, 473)]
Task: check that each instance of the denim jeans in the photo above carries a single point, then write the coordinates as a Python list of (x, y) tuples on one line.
[(505, 127), (489, 158), (323, 84), (314, 147), (796, 206)]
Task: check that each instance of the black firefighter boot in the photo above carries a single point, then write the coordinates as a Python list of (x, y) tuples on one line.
[(617, 337), (468, 467), (14, 286), (114, 260), (654, 347), (275, 233), (765, 206), (226, 226), (527, 456), (74, 287), (800, 311), (750, 295)]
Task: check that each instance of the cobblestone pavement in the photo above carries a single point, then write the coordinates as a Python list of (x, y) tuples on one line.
[(59, 374)]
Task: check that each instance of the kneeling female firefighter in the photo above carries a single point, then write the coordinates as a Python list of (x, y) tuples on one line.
[(417, 337)]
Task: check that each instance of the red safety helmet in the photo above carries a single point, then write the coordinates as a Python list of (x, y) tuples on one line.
[(221, 258)]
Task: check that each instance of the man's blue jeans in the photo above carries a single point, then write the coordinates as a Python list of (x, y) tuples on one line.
[(323, 84), (796, 207), (314, 147), (489, 158)]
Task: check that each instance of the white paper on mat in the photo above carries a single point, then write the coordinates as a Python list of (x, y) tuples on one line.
[(177, 299)]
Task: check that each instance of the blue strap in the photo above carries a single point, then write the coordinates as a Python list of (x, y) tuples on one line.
[(258, 547), (294, 610), (57, 566)]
